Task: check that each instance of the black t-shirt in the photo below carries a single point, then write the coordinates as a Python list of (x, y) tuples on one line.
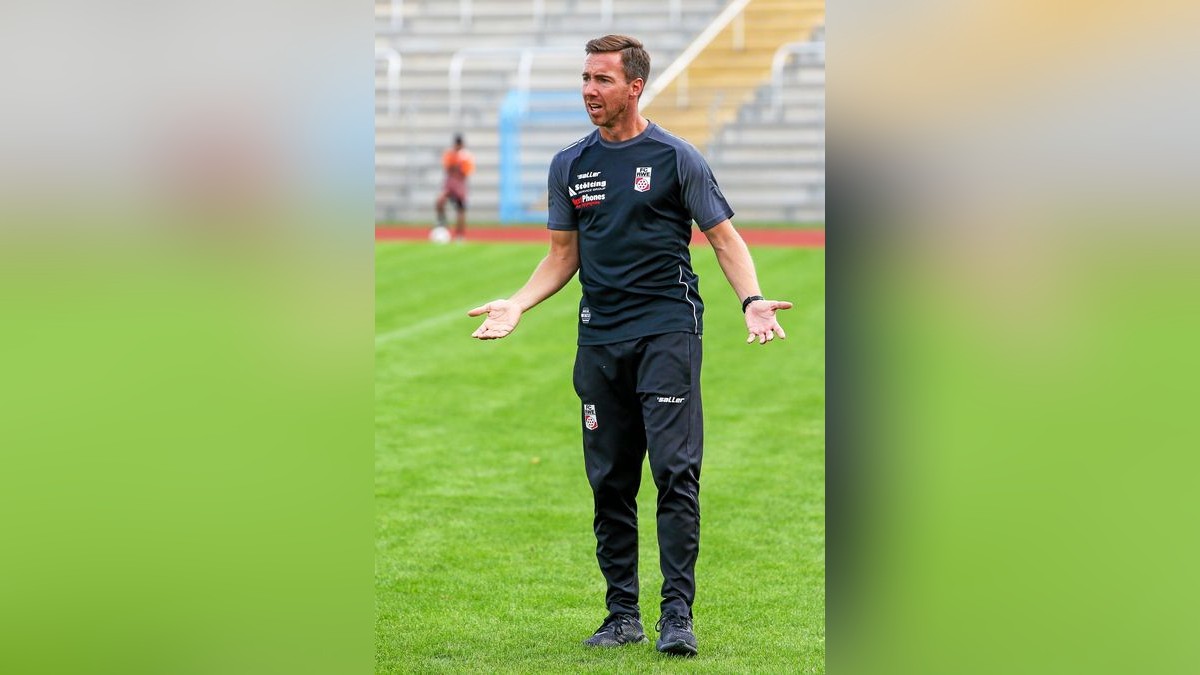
[(633, 204)]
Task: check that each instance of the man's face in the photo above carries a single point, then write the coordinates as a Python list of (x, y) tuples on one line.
[(606, 94)]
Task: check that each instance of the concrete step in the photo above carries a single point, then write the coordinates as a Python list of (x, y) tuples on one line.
[(772, 195), (769, 135), (765, 155), (751, 116), (799, 156), (804, 213), (750, 178)]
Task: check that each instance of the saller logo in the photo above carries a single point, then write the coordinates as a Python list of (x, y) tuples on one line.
[(589, 417), (670, 399), (641, 179)]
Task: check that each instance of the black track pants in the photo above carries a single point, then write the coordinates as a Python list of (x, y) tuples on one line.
[(641, 395)]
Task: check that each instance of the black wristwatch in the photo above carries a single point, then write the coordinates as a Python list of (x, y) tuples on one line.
[(747, 301)]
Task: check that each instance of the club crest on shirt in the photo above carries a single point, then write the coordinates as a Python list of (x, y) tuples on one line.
[(589, 417), (641, 179)]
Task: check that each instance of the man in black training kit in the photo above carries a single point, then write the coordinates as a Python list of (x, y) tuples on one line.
[(622, 202)]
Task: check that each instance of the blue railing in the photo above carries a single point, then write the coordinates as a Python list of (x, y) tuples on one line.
[(522, 202)]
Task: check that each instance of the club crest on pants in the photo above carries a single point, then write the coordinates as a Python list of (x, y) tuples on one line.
[(589, 417)]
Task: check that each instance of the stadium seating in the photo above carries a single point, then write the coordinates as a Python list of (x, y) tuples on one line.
[(428, 33), (724, 77), (770, 161)]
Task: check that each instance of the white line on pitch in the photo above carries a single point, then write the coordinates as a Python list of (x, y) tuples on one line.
[(432, 322)]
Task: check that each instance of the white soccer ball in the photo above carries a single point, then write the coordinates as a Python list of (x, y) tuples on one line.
[(440, 235)]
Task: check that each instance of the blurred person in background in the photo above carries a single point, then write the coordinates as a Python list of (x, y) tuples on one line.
[(458, 163), (622, 203)]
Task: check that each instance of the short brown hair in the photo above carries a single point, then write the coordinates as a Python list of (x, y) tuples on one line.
[(634, 59)]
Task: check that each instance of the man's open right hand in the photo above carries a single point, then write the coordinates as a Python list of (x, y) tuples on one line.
[(502, 319)]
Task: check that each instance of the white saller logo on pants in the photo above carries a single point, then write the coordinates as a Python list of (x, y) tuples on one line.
[(589, 417)]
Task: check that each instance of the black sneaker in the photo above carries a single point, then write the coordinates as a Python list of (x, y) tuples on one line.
[(677, 638), (616, 631)]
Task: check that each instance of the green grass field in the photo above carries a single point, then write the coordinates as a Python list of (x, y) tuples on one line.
[(484, 547)]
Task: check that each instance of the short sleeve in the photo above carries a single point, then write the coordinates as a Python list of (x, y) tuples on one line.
[(562, 212), (701, 194)]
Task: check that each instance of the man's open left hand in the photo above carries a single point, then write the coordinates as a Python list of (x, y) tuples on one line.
[(761, 321)]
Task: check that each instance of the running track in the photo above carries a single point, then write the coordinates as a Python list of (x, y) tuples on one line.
[(793, 238)]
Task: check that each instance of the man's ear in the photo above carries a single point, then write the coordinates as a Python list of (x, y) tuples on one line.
[(637, 86)]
